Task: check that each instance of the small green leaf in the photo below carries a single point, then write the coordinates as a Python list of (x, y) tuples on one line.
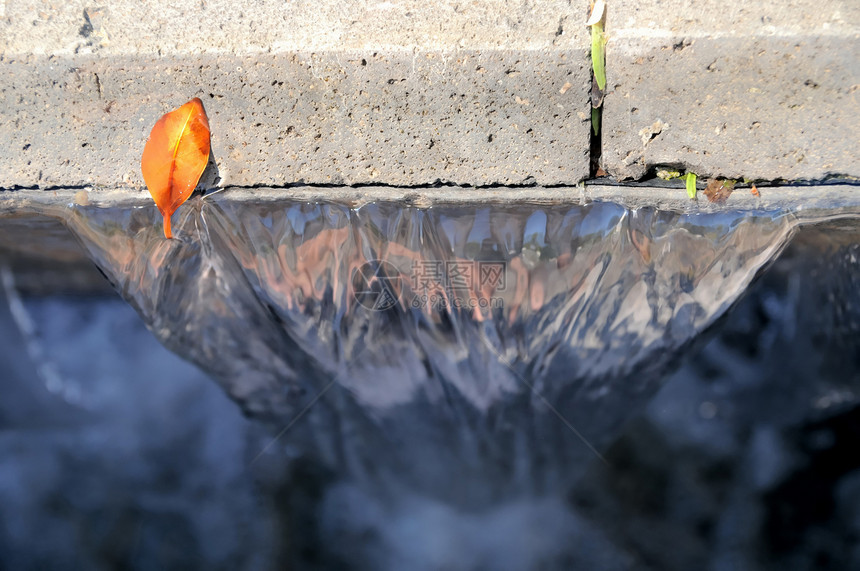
[(691, 185), (598, 55), (595, 120)]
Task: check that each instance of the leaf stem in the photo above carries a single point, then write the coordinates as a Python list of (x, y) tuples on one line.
[(167, 231)]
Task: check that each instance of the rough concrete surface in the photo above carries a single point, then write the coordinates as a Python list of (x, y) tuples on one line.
[(403, 93), (756, 90), (26, 207)]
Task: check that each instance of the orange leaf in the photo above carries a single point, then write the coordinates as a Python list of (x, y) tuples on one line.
[(175, 156)]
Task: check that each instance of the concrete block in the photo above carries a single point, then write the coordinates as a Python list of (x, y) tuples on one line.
[(401, 93), (756, 90)]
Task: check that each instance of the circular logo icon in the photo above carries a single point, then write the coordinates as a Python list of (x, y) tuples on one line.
[(376, 285)]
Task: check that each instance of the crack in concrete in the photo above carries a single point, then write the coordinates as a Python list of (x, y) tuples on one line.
[(649, 180), (595, 141)]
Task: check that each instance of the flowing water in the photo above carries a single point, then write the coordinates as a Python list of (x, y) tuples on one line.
[(463, 353), (439, 378)]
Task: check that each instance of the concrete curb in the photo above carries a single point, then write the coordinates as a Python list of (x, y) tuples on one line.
[(830, 199), (403, 93), (737, 90), (407, 93)]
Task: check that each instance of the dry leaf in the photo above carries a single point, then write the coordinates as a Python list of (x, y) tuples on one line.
[(175, 156), (755, 191), (596, 13), (718, 191)]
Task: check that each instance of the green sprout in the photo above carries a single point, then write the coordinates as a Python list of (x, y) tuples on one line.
[(691, 185), (598, 55)]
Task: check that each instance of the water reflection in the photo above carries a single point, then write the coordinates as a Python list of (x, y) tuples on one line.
[(463, 352)]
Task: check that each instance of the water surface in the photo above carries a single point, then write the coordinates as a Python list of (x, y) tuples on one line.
[(466, 353)]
